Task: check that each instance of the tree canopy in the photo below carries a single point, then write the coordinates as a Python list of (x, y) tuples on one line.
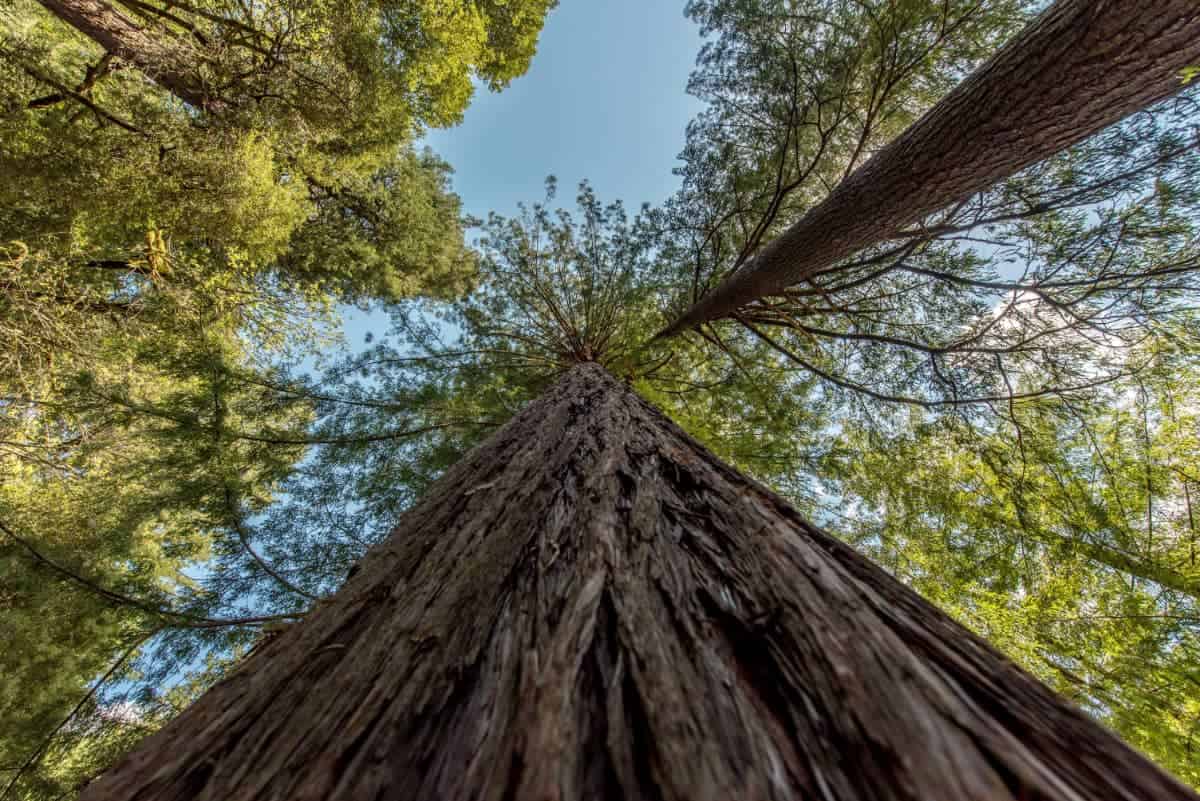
[(999, 405)]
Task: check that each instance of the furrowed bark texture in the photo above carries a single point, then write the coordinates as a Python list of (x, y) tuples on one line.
[(163, 60), (591, 606), (1080, 66)]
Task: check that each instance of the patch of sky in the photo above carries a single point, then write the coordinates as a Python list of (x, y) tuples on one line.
[(604, 100)]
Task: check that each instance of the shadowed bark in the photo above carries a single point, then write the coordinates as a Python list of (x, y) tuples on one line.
[(590, 605), (1080, 66), (163, 60)]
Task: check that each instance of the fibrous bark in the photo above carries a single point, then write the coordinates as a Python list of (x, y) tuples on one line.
[(591, 606), (163, 59), (1080, 66)]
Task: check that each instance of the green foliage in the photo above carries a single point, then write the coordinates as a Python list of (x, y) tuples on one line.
[(1067, 537), (302, 167), (384, 235), (119, 455)]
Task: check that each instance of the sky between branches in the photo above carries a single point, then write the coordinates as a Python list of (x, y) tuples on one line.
[(605, 99)]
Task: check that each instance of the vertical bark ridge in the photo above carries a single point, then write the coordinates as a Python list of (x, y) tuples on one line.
[(591, 606)]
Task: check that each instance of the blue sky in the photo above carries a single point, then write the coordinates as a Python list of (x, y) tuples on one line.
[(605, 99)]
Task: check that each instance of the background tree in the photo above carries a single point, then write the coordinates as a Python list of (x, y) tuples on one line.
[(800, 95), (1038, 286), (363, 72), (1078, 67), (268, 175)]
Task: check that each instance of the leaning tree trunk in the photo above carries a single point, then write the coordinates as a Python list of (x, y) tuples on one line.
[(1080, 66), (591, 606), (166, 61)]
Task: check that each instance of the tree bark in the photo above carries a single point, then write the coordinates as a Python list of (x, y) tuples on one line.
[(1080, 66), (590, 605), (167, 62)]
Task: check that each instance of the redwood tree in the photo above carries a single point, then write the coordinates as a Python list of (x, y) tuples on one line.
[(591, 605), (1079, 67)]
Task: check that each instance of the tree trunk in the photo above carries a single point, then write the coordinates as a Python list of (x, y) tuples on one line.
[(166, 61), (1080, 66), (591, 606)]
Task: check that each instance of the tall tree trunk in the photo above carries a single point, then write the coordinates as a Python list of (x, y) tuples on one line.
[(166, 61), (591, 606), (1080, 66)]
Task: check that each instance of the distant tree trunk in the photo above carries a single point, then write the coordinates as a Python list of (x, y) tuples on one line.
[(1080, 66), (591, 606), (166, 61)]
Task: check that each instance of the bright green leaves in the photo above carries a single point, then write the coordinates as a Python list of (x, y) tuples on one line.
[(385, 235), (325, 99), (1068, 539), (512, 35)]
